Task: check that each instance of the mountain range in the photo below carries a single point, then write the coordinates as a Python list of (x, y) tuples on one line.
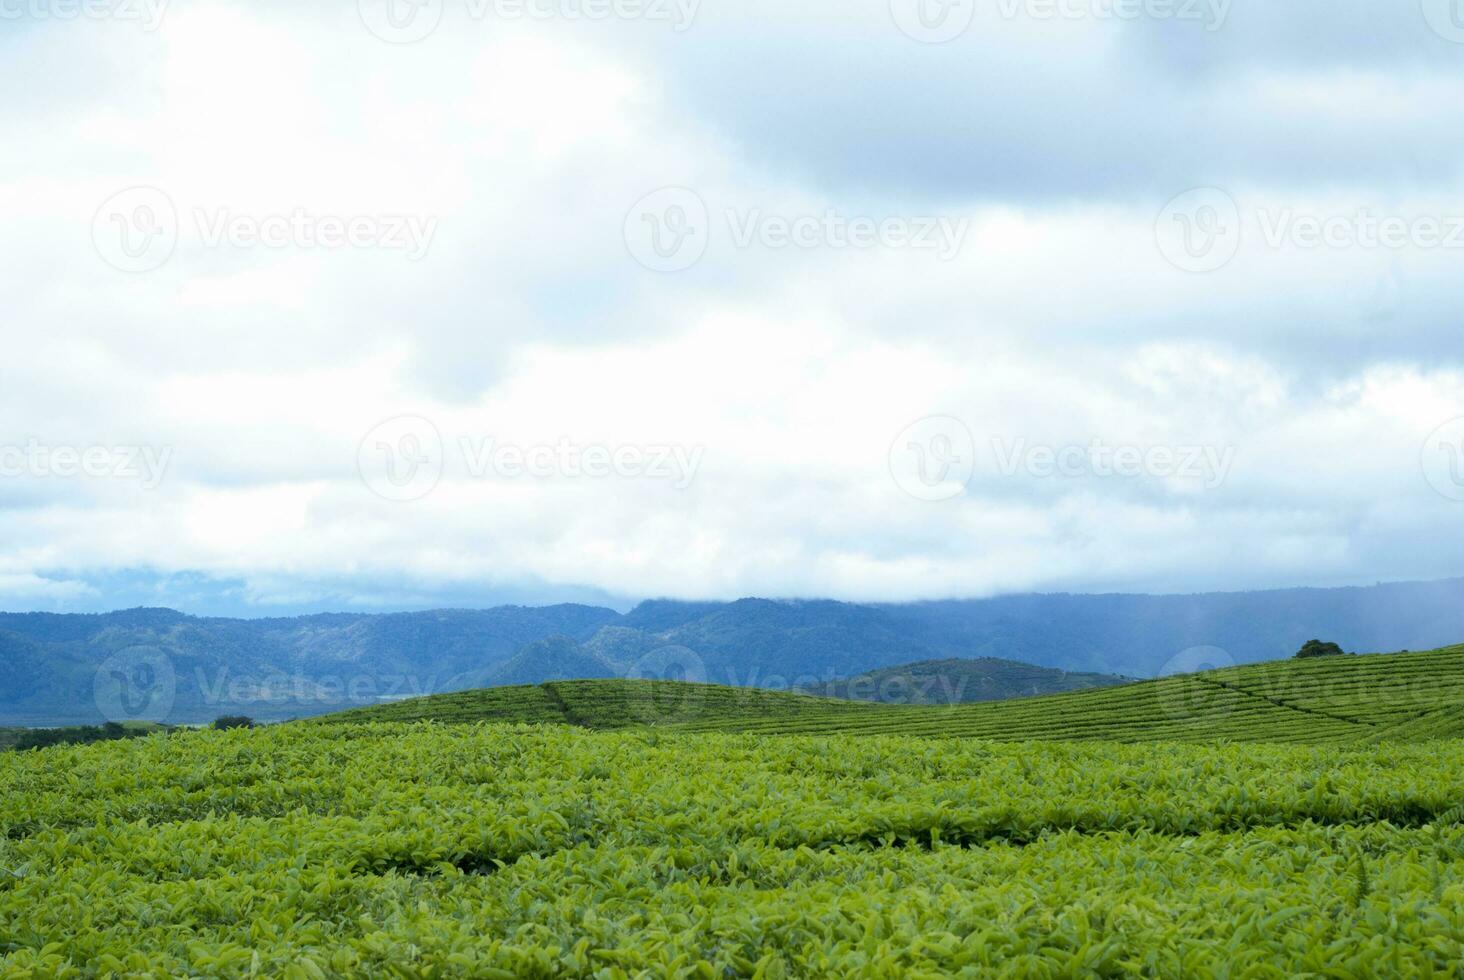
[(142, 663)]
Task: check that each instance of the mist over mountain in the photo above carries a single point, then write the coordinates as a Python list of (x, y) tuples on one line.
[(158, 664)]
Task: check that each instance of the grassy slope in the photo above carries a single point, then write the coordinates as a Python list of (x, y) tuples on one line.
[(1379, 697), (467, 851)]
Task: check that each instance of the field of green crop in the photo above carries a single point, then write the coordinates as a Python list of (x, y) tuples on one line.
[(1303, 818), (499, 851), (1339, 700)]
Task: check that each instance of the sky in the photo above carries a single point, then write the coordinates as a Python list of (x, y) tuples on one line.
[(410, 303)]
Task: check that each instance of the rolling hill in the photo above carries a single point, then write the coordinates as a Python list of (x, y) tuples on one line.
[(278, 668), (1339, 700), (959, 681)]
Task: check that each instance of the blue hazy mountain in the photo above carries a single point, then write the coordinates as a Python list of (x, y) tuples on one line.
[(74, 668)]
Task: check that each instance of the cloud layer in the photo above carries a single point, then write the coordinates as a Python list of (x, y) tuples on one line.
[(609, 300)]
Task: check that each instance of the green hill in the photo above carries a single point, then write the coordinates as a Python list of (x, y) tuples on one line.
[(1378, 697), (960, 681)]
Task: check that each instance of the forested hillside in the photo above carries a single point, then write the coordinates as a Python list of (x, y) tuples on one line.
[(55, 668)]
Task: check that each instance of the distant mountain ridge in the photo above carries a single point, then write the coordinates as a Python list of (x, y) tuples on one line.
[(78, 668), (558, 658)]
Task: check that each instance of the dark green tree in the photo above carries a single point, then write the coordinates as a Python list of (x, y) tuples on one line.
[(1316, 648)]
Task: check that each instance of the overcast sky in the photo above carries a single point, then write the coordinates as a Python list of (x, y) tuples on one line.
[(384, 306)]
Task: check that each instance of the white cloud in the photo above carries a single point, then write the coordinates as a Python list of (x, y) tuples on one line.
[(788, 369)]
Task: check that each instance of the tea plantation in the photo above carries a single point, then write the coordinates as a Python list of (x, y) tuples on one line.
[(669, 845)]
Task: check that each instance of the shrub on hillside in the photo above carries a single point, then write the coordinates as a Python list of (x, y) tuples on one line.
[(1316, 648), (42, 738)]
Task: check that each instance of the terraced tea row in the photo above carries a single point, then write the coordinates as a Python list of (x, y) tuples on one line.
[(1177, 709), (1377, 689), (430, 851), (1333, 700)]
